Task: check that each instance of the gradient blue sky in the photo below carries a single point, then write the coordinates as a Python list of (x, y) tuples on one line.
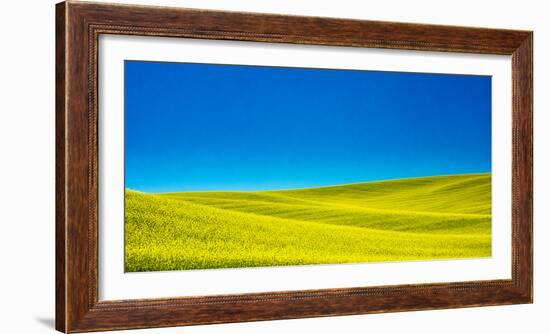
[(196, 127)]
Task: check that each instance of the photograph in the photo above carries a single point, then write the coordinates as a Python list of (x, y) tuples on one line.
[(245, 167), (239, 166)]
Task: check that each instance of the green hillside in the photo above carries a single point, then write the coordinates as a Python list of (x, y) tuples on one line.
[(408, 219)]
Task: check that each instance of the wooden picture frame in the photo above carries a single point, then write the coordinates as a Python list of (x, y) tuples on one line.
[(78, 26)]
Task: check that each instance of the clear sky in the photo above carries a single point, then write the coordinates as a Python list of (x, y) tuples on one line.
[(192, 127)]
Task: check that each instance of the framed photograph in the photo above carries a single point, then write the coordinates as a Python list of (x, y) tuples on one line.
[(223, 167)]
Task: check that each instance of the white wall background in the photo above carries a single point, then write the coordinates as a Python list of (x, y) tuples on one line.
[(27, 165)]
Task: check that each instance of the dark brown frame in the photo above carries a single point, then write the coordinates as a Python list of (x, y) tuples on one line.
[(78, 25)]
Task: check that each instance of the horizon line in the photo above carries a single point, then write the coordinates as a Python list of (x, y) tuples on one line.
[(305, 188)]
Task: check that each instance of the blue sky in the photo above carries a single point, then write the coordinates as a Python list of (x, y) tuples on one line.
[(196, 127)]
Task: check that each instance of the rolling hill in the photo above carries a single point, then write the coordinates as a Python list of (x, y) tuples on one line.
[(438, 217)]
